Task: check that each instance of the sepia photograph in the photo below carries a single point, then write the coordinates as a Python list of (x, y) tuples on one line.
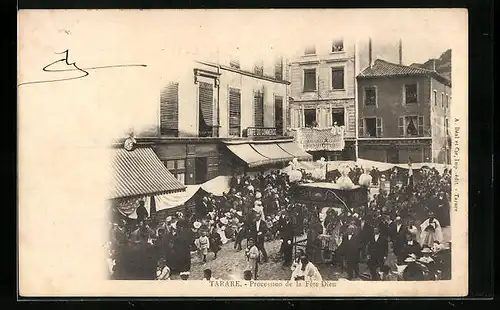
[(245, 152)]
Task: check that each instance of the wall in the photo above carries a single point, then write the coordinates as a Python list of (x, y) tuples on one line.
[(390, 102), (439, 113)]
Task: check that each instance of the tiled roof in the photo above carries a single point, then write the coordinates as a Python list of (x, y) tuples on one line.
[(139, 173), (382, 68)]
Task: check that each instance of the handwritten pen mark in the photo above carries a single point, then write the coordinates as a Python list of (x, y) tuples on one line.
[(84, 71)]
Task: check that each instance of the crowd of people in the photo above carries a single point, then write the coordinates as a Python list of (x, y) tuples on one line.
[(407, 219)]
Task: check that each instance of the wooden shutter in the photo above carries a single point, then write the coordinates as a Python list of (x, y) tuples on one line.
[(169, 110), (361, 127), (234, 112), (278, 114), (212, 167), (401, 126), (420, 125), (258, 109), (338, 78), (206, 100), (379, 127)]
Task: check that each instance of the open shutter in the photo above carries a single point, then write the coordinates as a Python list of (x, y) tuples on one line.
[(258, 105), (234, 112), (361, 127), (169, 110), (401, 126), (379, 127), (206, 102), (420, 125)]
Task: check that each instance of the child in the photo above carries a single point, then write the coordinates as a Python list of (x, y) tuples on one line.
[(240, 234), (162, 271), (207, 275), (184, 275), (253, 254), (215, 242), (204, 244), (247, 275)]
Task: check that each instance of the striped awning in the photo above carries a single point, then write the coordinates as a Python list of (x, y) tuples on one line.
[(294, 149), (140, 173), (273, 152), (247, 154)]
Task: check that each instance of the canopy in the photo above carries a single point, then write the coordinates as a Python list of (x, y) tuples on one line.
[(295, 150), (215, 186), (273, 152), (141, 173), (246, 153)]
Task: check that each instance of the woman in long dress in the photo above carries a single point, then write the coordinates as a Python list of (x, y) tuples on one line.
[(430, 231)]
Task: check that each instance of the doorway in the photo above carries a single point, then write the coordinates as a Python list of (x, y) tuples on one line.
[(201, 170)]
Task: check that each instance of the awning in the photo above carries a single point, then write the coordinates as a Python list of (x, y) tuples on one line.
[(273, 152), (295, 150), (140, 173), (246, 153), (169, 201)]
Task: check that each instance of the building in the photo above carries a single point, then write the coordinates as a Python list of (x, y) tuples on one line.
[(322, 93), (403, 113), (220, 117)]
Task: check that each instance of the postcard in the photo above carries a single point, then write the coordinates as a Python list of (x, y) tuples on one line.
[(244, 153)]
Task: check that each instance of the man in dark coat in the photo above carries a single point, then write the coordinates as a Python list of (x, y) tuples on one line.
[(141, 211), (410, 247), (258, 231), (350, 249), (138, 262), (377, 253), (397, 235), (287, 245)]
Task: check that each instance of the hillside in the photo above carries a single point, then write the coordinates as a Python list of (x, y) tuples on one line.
[(443, 64)]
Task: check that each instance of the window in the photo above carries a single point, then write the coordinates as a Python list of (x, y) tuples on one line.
[(446, 102), (206, 110), (370, 127), (234, 63), (259, 69), (370, 96), (310, 117), (234, 112), (309, 80), (278, 70), (178, 168), (411, 93), (338, 117), (310, 50), (435, 97), (169, 110), (411, 126), (338, 78), (446, 124), (337, 45), (442, 100), (258, 108)]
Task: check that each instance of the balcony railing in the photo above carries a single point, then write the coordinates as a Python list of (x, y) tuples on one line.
[(261, 132), (319, 139), (209, 131)]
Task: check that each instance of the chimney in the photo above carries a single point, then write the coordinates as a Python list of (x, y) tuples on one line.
[(400, 52), (370, 62), (434, 65)]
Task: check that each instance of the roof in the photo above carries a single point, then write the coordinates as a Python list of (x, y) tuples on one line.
[(140, 173), (382, 68)]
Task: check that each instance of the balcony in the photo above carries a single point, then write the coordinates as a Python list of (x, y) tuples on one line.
[(260, 132), (208, 131)]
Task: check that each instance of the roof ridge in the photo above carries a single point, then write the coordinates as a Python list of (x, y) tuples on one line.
[(405, 66)]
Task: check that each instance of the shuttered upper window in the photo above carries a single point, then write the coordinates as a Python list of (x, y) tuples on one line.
[(234, 112), (258, 108), (206, 95), (169, 110), (278, 115)]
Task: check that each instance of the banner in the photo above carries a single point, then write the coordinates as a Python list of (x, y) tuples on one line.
[(320, 139)]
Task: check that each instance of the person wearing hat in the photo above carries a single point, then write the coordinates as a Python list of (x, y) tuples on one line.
[(413, 270), (141, 211), (203, 244), (184, 275), (215, 241), (163, 271), (286, 232)]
